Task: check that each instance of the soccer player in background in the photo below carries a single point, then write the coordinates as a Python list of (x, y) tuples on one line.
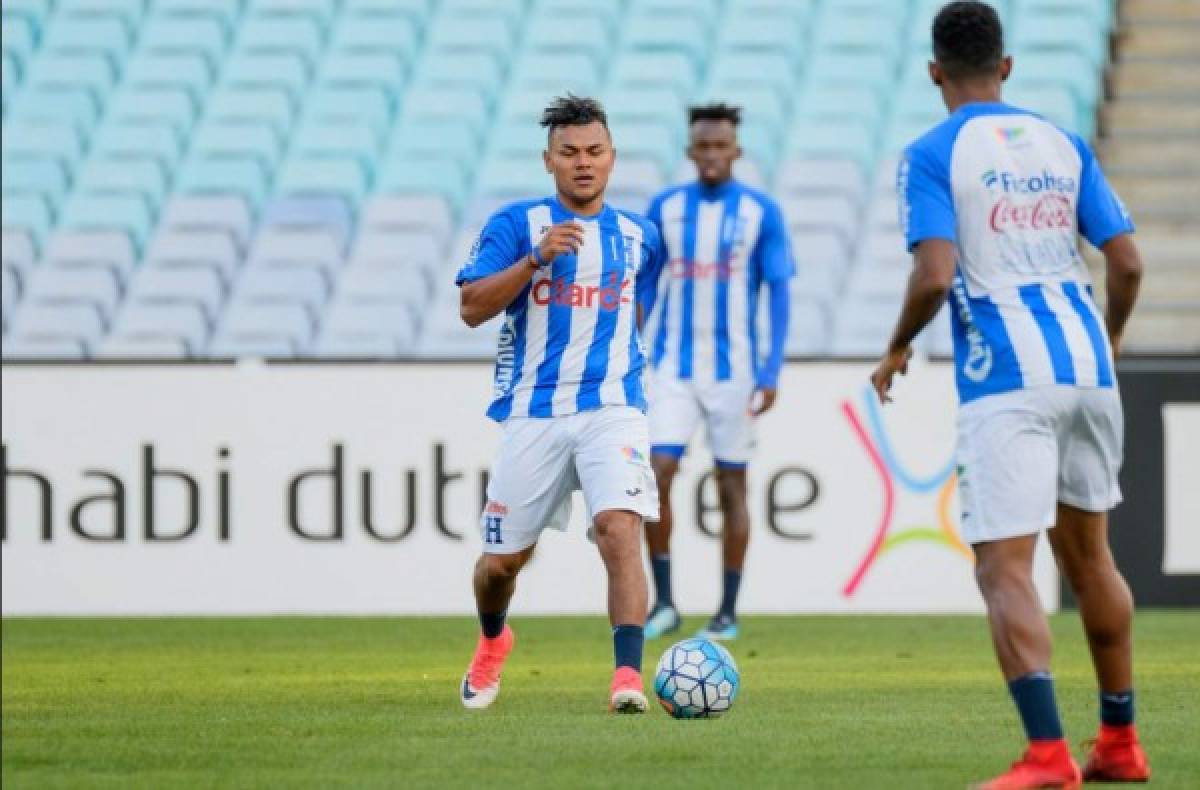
[(724, 242), (992, 199), (572, 276)]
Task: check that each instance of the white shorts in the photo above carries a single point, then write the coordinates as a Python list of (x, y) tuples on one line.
[(542, 461), (678, 406), (1022, 452)]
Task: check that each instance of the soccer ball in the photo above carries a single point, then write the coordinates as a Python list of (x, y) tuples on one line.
[(696, 679)]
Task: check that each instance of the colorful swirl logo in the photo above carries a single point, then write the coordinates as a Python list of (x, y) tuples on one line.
[(891, 473)]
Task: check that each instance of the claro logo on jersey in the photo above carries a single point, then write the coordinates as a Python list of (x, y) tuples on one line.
[(561, 293)]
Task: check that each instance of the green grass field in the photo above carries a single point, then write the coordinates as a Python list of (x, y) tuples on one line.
[(826, 702)]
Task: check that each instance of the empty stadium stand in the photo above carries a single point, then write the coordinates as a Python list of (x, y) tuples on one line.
[(300, 178)]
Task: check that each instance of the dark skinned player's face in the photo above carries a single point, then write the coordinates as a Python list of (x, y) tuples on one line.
[(714, 148), (580, 158)]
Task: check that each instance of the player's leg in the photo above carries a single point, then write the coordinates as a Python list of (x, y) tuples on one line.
[(530, 477), (617, 481), (731, 437), (1007, 454), (663, 617), (1090, 456), (674, 414)]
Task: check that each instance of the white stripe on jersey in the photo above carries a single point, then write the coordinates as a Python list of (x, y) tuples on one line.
[(672, 230), (613, 388), (536, 320), (704, 301), (1029, 347), (588, 268), (1082, 357), (741, 365)]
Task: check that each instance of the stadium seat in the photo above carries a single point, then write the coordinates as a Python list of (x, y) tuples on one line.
[(59, 141), (282, 35), (379, 70), (265, 327), (183, 323), (101, 35), (80, 323), (466, 107), (266, 105), (369, 104), (196, 285), (382, 285), (144, 178), (442, 177), (418, 139), (654, 141), (511, 177), (856, 103), (286, 71), (416, 248), (95, 288), (17, 249), (141, 348), (228, 139), (371, 344), (329, 213), (28, 213), (734, 70), (347, 317), (224, 12), (324, 175), (555, 73), (408, 212), (320, 11), (228, 214), (110, 211), (127, 140), (190, 246), (833, 140), (647, 32), (187, 34), (392, 34), (242, 176), (110, 250), (861, 328), (808, 327), (283, 285), (45, 178), (780, 35), (488, 34), (42, 348), (672, 70), (311, 248), (153, 105)]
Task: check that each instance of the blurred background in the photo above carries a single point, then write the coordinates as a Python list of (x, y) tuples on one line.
[(301, 178)]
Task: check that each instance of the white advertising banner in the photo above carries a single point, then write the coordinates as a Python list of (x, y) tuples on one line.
[(258, 489)]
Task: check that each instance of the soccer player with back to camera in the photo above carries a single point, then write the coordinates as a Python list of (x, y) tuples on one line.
[(572, 276), (724, 242), (992, 199)]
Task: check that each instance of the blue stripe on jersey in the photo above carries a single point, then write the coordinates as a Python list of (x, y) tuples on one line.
[(660, 339), (558, 331), (1052, 333), (690, 213), (984, 360), (612, 269), (1104, 376), (727, 230), (501, 408)]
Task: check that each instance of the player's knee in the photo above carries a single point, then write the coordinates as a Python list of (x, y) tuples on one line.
[(618, 525), (996, 575), (498, 568)]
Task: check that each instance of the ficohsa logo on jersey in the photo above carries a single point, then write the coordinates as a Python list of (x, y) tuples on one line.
[(1011, 183)]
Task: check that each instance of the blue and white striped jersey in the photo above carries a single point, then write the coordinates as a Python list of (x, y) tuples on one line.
[(1012, 191), (570, 342), (722, 244)]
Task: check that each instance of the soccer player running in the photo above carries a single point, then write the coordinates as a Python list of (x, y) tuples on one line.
[(724, 241), (572, 276), (991, 201)]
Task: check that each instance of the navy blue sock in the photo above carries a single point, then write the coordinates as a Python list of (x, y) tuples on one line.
[(660, 564), (492, 624), (729, 593), (1034, 696), (627, 646), (1116, 708)]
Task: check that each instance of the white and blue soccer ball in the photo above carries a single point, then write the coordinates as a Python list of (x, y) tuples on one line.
[(696, 679)]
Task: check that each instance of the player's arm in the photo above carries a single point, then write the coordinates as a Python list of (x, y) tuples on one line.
[(928, 285), (650, 273), (775, 265), (1124, 277), (487, 296), (930, 228), (1105, 223)]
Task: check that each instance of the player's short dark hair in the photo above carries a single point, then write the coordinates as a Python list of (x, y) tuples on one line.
[(572, 110), (968, 39), (715, 111)]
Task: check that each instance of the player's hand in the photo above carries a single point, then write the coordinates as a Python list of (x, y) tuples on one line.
[(892, 363), (763, 401), (565, 238)]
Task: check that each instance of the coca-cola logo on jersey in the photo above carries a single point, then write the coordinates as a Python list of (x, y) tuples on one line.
[(1049, 212)]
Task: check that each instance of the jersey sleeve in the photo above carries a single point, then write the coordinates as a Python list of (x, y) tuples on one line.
[(1101, 213), (773, 253), (926, 201), (500, 245), (654, 258)]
